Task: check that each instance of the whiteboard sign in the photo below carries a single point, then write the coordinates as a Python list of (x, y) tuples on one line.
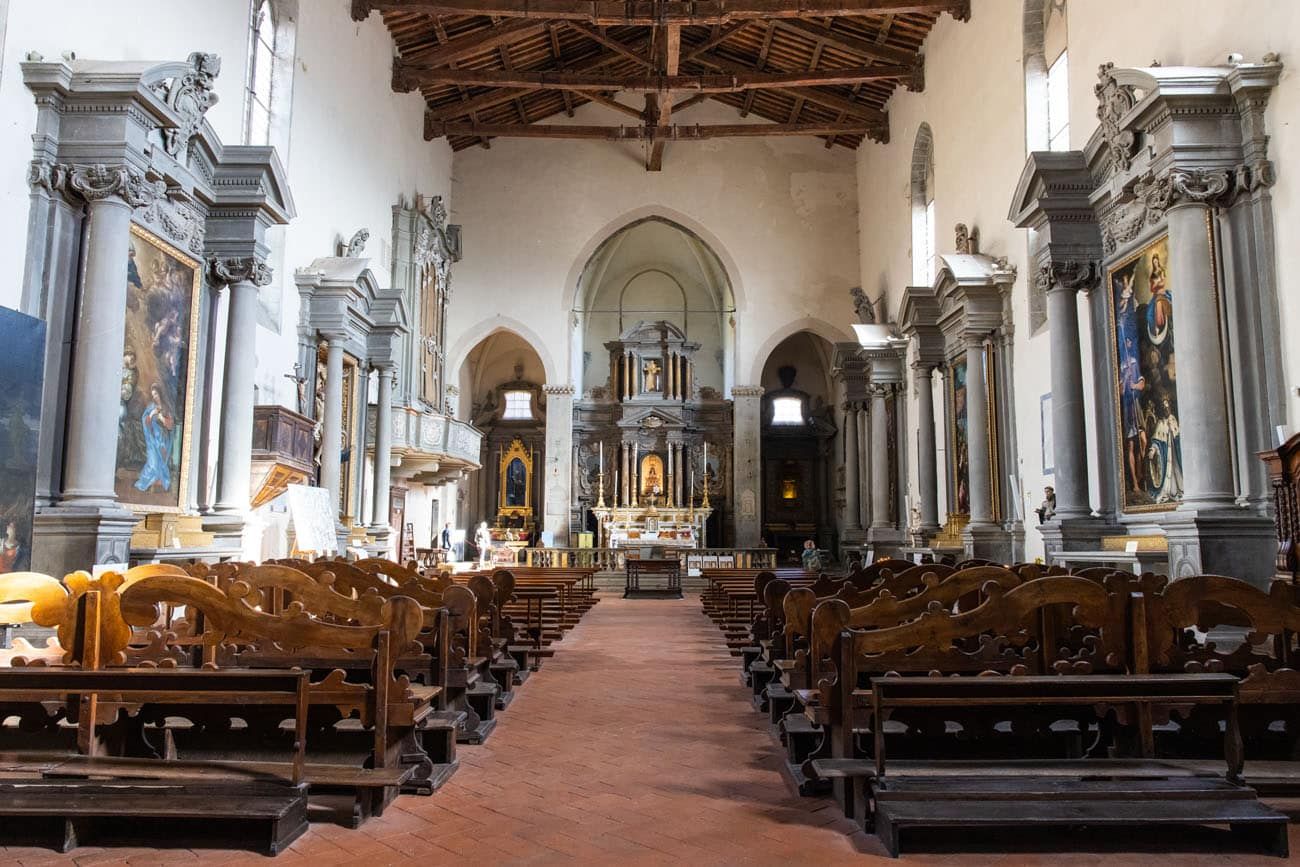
[(312, 513)]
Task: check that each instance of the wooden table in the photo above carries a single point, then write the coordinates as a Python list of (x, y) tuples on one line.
[(670, 569)]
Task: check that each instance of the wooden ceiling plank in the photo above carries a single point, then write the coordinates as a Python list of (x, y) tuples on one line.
[(612, 44), (477, 42), (762, 59), (648, 13)]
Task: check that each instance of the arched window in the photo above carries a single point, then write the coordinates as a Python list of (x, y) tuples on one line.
[(261, 62), (1047, 72), (923, 225)]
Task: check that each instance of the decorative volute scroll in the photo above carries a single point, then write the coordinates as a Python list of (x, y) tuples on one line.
[(1114, 102), (190, 95), (248, 269)]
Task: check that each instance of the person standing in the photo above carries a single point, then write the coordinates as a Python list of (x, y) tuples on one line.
[(446, 536), (483, 541)]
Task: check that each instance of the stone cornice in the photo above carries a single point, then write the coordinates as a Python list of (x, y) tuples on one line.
[(747, 391), (559, 390)]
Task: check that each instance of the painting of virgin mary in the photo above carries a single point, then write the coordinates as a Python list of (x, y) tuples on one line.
[(159, 367)]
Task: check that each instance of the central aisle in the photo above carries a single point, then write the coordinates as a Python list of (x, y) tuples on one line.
[(636, 742)]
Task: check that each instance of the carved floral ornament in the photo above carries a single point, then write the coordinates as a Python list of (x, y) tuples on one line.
[(190, 96)]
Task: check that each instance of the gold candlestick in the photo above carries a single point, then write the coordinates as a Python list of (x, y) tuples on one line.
[(600, 490)]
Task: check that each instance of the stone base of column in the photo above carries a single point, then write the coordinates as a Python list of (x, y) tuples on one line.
[(886, 541), (853, 536), (988, 542), (67, 538), (383, 544), (227, 529), (1233, 543), (341, 535), (1075, 534)]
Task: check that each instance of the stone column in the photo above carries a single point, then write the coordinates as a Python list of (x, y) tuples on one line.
[(383, 452), (747, 401), (559, 462), (235, 452), (977, 433), (1203, 416), (96, 379), (879, 460), (332, 427), (927, 453), (864, 466), (852, 513), (1069, 437)]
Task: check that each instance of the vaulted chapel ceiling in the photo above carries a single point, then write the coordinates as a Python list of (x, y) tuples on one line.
[(492, 68)]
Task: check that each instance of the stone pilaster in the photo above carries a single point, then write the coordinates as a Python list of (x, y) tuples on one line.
[(559, 462), (332, 429), (747, 459), (852, 516)]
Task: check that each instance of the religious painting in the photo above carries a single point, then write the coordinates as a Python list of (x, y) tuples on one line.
[(349, 435), (22, 346), (959, 415), (652, 476), (159, 369), (515, 480), (1142, 334)]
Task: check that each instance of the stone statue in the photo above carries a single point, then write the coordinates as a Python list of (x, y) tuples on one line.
[(357, 245), (968, 240), (652, 375), (862, 306), (1047, 510), (190, 96), (300, 384)]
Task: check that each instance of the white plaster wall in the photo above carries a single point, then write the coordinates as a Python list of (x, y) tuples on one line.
[(974, 103), (780, 213)]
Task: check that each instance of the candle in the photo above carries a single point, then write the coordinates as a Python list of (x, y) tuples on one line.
[(706, 465), (602, 458)]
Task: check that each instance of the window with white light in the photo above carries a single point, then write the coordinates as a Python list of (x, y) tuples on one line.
[(787, 410), (1058, 104), (519, 406), (261, 69), (924, 246)]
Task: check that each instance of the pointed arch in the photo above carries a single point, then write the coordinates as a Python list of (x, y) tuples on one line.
[(823, 329), (485, 328)]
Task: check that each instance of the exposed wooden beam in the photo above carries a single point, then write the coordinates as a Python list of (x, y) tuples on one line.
[(658, 84), (851, 108), (612, 44), (610, 102), (762, 61), (464, 46), (719, 36), (670, 55), (853, 45), (690, 101), (493, 98), (647, 13), (678, 132)]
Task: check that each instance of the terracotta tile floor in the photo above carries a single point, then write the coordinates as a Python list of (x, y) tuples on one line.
[(635, 744)]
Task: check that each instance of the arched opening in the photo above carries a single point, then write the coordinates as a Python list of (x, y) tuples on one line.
[(501, 393), (654, 270), (798, 435), (924, 248)]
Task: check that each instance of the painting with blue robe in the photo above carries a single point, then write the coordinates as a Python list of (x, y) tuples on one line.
[(1146, 397), (22, 349), (159, 362)]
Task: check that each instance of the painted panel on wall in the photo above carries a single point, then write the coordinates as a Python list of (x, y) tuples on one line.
[(22, 346), (1142, 334), (159, 366), (960, 466)]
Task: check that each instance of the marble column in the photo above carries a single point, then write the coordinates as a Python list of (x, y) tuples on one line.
[(559, 463), (879, 460), (1069, 436), (1203, 416), (235, 452), (747, 401), (852, 513), (977, 433), (927, 453), (383, 452), (332, 427), (93, 406)]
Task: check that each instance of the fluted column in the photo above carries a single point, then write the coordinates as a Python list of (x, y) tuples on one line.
[(927, 453), (852, 515), (977, 432), (332, 426), (94, 385), (235, 452), (1069, 435), (383, 449), (879, 459), (1203, 415)]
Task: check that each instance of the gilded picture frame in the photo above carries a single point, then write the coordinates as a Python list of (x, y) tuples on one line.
[(1142, 325), (515, 480), (159, 376)]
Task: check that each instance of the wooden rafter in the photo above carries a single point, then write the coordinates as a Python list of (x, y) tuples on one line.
[(650, 13), (668, 59), (612, 44), (658, 83), (853, 45), (678, 132)]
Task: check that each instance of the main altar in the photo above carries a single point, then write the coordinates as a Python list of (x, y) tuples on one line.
[(650, 526)]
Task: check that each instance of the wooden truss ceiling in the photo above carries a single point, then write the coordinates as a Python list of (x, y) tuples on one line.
[(491, 68)]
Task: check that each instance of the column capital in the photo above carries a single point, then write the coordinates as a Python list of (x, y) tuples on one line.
[(98, 182), (971, 340), (559, 390), (923, 367), (1068, 275), (228, 270)]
